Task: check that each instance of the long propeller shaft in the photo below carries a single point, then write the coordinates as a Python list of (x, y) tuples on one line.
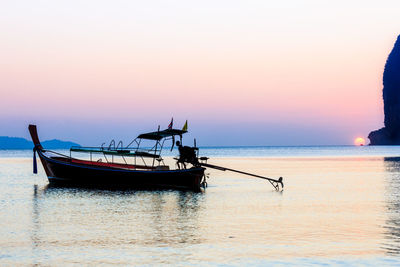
[(275, 182)]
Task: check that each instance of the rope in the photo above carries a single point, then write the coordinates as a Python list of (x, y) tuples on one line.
[(34, 160)]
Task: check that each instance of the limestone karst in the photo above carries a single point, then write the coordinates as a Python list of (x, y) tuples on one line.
[(390, 134)]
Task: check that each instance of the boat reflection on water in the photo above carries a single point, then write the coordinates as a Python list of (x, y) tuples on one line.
[(35, 228), (392, 201), (344, 209), (77, 218)]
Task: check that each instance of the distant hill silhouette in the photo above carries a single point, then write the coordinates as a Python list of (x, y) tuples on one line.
[(390, 134), (7, 142)]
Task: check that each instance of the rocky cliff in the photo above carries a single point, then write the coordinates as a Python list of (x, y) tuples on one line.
[(390, 134)]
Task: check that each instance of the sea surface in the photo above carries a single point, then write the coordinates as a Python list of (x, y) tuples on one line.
[(340, 206)]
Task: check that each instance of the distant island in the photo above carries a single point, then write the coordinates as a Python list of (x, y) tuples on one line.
[(7, 142), (390, 134)]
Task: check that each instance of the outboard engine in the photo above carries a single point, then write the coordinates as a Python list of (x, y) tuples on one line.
[(187, 154)]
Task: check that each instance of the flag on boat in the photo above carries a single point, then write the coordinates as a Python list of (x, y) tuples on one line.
[(185, 126), (171, 124)]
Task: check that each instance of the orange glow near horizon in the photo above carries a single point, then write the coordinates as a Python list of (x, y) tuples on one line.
[(290, 66), (359, 141)]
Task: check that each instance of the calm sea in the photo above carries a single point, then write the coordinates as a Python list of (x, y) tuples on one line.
[(340, 206)]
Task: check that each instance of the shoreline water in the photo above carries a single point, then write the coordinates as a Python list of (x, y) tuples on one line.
[(263, 151), (333, 210)]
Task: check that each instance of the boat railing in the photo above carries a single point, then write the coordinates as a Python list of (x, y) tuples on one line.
[(133, 149), (112, 144), (118, 145), (119, 152)]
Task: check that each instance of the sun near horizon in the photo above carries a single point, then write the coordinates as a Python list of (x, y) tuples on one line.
[(359, 141), (267, 73)]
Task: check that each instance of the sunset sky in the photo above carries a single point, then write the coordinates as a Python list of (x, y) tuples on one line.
[(241, 72)]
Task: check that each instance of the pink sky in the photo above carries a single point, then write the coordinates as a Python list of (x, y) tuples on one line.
[(287, 73)]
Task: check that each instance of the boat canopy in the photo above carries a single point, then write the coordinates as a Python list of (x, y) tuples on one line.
[(161, 134)]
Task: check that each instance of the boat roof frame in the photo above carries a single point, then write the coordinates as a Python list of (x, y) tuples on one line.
[(133, 148)]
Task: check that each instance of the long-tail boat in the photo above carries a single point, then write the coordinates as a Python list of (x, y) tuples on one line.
[(106, 172), (131, 166)]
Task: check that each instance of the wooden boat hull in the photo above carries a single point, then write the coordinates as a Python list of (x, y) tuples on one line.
[(68, 173)]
